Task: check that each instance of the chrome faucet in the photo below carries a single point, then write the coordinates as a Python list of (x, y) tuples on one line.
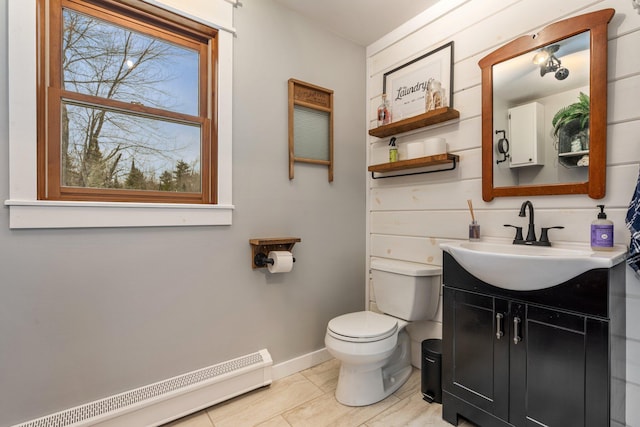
[(531, 230)]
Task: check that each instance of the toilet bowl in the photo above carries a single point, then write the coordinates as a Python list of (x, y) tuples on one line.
[(374, 348), (374, 351)]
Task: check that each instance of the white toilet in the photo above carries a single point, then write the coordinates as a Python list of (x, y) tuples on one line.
[(374, 349)]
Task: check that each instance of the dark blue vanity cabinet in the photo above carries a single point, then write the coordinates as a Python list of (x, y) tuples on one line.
[(530, 358)]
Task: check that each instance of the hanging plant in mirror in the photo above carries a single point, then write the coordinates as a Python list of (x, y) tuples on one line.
[(571, 130)]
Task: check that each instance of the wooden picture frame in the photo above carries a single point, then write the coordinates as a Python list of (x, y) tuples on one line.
[(406, 86), (310, 125)]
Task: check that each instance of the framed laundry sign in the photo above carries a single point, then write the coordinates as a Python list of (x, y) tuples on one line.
[(422, 84)]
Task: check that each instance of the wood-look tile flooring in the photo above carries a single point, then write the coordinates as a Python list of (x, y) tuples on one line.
[(307, 399)]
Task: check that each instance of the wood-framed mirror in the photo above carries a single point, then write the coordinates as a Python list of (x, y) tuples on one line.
[(532, 82)]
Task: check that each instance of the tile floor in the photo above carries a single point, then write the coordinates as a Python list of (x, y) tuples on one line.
[(307, 399)]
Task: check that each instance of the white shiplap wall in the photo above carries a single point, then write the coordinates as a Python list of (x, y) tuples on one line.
[(410, 216)]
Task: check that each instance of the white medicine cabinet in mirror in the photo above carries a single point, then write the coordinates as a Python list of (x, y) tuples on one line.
[(544, 111)]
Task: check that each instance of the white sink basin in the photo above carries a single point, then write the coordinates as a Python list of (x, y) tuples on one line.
[(525, 268)]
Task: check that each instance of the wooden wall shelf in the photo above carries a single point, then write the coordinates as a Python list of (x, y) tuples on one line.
[(420, 162), (429, 118)]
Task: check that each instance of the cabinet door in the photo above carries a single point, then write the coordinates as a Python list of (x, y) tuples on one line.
[(548, 368), (476, 350), (526, 132)]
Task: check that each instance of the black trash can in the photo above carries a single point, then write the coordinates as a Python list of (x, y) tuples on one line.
[(432, 370)]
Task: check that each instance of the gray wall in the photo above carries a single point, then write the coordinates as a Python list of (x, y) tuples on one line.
[(86, 313)]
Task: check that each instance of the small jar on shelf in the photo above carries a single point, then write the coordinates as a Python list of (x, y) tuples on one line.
[(384, 111)]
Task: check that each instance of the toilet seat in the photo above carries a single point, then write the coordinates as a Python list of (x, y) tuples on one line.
[(362, 326)]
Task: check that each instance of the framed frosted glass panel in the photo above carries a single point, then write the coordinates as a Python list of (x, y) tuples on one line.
[(311, 130), (310, 125)]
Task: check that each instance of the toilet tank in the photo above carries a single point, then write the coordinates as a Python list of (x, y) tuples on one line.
[(407, 290)]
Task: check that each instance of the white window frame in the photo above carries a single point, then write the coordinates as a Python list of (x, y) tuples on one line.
[(26, 211)]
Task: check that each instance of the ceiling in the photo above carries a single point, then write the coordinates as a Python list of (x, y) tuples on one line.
[(518, 80), (361, 21)]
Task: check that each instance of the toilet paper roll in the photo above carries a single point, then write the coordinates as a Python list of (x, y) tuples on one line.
[(435, 146), (282, 262)]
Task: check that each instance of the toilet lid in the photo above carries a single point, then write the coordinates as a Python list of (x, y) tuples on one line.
[(363, 326)]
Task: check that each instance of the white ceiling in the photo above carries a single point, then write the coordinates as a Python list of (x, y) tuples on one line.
[(361, 21)]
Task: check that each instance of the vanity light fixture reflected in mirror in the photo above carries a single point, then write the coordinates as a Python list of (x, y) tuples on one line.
[(549, 63)]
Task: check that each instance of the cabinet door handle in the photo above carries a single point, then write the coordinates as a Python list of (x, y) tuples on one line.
[(499, 332), (516, 327)]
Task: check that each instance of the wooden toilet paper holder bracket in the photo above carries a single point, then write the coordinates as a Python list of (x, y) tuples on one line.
[(261, 247)]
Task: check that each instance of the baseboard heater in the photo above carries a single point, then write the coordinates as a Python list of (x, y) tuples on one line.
[(170, 399)]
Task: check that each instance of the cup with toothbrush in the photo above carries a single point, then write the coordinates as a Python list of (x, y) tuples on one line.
[(474, 227)]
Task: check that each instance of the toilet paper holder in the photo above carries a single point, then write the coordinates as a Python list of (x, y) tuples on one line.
[(261, 260), (262, 246)]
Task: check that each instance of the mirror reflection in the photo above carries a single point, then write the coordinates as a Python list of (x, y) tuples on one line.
[(541, 115), (544, 96)]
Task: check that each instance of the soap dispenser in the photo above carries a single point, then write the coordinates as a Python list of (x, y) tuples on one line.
[(602, 232)]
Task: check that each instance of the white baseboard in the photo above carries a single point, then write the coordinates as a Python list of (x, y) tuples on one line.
[(300, 363)]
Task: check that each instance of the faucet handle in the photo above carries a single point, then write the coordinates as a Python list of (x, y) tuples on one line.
[(518, 237), (544, 238)]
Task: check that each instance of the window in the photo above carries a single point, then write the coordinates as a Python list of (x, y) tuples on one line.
[(27, 209), (125, 104)]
